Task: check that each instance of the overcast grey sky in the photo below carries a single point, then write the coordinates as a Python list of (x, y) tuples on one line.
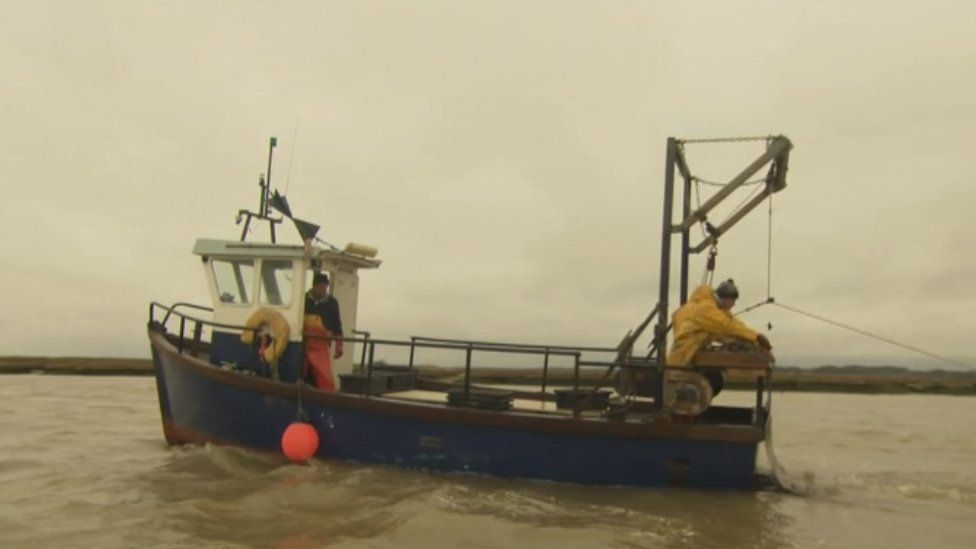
[(506, 157)]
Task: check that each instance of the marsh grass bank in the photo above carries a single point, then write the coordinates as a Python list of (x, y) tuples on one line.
[(832, 379)]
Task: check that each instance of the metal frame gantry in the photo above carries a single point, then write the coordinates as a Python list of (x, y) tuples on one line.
[(776, 155)]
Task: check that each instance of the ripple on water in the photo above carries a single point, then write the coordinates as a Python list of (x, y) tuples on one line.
[(77, 474)]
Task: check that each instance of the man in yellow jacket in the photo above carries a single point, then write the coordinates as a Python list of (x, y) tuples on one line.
[(706, 318)]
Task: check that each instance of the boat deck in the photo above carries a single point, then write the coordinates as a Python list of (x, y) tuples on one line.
[(732, 410), (518, 404)]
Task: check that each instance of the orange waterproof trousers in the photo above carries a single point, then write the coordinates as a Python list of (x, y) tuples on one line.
[(317, 358)]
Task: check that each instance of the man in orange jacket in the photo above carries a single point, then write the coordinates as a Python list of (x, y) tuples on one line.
[(706, 318)]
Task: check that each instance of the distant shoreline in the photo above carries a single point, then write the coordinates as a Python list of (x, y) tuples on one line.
[(76, 365), (830, 379)]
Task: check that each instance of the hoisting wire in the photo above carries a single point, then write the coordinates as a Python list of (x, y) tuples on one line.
[(708, 274), (875, 336), (769, 265), (707, 230)]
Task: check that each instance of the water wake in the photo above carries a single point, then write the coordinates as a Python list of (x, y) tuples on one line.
[(783, 481)]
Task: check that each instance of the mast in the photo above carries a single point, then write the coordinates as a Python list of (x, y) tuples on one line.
[(266, 191), (661, 329), (264, 201)]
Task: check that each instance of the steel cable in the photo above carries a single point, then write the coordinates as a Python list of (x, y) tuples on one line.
[(875, 336)]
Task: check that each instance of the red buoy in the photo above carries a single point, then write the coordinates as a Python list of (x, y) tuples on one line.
[(299, 442)]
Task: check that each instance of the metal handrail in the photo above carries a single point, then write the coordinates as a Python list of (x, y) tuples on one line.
[(170, 310), (480, 346), (518, 345), (370, 343), (362, 358)]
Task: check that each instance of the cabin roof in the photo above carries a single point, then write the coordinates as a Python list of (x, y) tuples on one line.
[(256, 250)]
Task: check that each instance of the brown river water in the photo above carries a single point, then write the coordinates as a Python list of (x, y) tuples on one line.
[(83, 464)]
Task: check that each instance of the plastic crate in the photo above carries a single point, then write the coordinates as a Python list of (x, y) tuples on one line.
[(399, 378), (587, 399), (362, 384), (481, 398)]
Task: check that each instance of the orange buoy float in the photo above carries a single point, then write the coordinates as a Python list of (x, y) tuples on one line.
[(299, 442)]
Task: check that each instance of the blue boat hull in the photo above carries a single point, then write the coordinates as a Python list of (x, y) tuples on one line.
[(199, 402)]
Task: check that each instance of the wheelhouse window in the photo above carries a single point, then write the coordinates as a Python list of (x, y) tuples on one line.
[(234, 279), (276, 282)]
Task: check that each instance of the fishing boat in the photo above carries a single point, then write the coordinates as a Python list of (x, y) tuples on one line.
[(617, 415)]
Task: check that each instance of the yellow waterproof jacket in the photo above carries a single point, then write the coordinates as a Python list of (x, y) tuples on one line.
[(699, 322)]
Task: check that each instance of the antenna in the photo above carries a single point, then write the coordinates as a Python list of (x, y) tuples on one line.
[(264, 206), (274, 201)]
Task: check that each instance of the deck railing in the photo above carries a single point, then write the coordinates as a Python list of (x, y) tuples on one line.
[(370, 344)]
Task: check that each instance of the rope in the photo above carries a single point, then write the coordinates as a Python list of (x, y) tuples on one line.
[(766, 301), (875, 336), (335, 249), (300, 414)]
